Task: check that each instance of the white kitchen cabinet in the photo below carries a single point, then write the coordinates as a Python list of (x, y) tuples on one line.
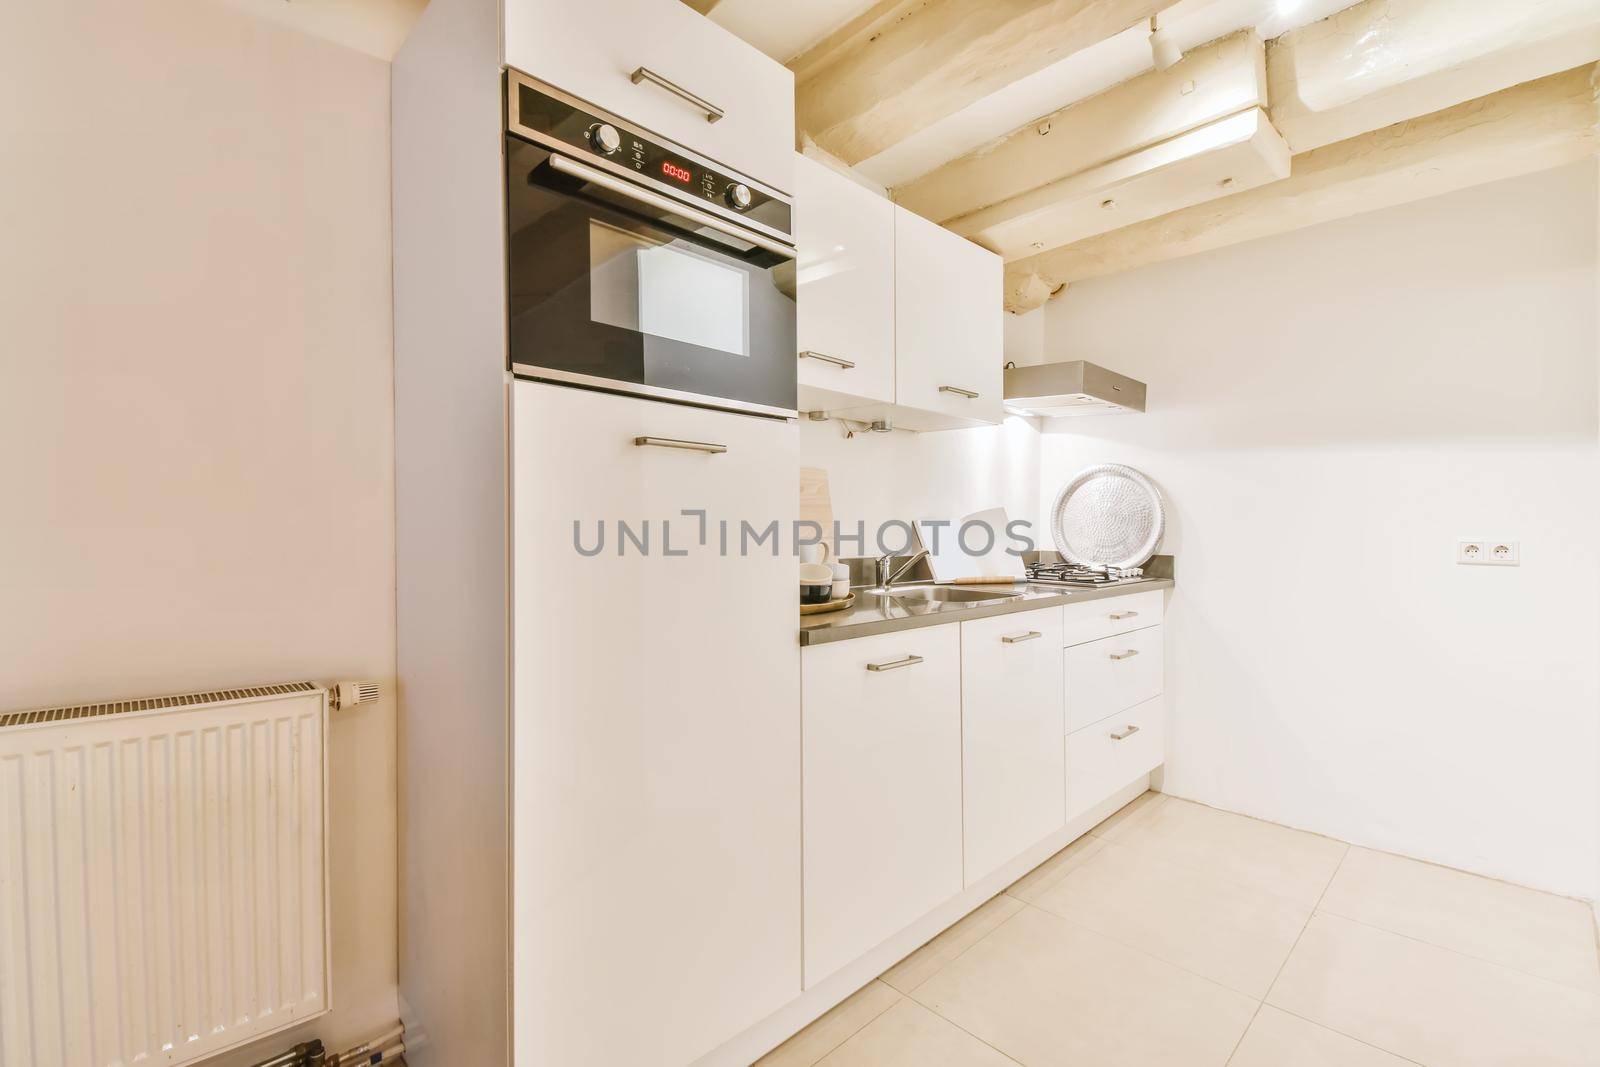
[(949, 344), (1112, 674), (1106, 755), (1094, 619), (655, 732), (845, 290), (1013, 769), (882, 773), (592, 50)]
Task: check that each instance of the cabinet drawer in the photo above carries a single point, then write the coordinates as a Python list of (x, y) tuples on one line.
[(592, 49), (1011, 728), (1107, 755), (1095, 619), (1111, 675), (881, 794)]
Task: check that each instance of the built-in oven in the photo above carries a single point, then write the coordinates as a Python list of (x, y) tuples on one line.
[(635, 265)]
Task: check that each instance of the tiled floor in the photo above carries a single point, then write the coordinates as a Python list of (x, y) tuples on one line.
[(1175, 934)]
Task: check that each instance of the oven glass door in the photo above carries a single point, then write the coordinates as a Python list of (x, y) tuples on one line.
[(614, 291)]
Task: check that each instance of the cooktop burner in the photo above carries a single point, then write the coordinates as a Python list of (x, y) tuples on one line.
[(1073, 574)]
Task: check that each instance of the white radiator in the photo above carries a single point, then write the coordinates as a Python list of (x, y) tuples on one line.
[(163, 876)]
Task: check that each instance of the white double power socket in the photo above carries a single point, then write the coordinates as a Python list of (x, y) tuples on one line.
[(1489, 553)]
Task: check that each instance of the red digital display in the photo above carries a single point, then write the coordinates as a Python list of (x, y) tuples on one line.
[(675, 172)]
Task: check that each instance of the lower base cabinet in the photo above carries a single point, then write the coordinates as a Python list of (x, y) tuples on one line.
[(1013, 775), (1105, 756), (881, 770)]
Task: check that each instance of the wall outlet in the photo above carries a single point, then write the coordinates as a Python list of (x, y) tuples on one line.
[(1489, 553)]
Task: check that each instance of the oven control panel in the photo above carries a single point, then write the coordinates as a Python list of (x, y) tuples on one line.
[(545, 115)]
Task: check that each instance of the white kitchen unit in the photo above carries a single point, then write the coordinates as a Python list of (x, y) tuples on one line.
[(1111, 674), (600, 758), (942, 309), (665, 67), (1105, 756), (1013, 775), (1113, 682), (655, 733), (949, 343), (845, 290), (882, 759)]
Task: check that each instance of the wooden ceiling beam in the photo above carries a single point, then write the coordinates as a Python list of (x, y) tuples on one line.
[(1534, 126), (904, 64), (1211, 82), (1384, 61)]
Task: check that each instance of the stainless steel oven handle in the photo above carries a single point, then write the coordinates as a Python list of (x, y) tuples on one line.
[(663, 203), (642, 74)]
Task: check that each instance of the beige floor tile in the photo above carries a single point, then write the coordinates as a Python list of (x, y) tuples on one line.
[(1546, 935), (924, 963), (1050, 993), (832, 1029), (1290, 863), (909, 1035), (1278, 1039), (1434, 1005), (1191, 916), (1052, 870), (1129, 815)]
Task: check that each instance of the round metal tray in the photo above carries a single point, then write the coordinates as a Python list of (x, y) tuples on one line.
[(1108, 516)]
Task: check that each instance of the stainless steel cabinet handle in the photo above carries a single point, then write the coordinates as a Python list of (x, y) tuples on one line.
[(645, 74), (842, 364), (1019, 638), (895, 664), (1132, 652), (1118, 616), (672, 442), (956, 389), (663, 203), (1125, 734)]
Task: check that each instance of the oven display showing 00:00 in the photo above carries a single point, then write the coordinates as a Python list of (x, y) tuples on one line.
[(675, 172)]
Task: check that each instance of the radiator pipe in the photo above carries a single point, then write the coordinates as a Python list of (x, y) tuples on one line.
[(306, 1054), (380, 1049)]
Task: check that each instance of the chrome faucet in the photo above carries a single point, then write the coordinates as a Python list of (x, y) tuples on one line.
[(886, 577)]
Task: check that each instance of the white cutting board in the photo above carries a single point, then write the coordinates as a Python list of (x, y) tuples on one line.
[(951, 561)]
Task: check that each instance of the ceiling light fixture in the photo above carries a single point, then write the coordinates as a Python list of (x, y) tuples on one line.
[(1163, 49)]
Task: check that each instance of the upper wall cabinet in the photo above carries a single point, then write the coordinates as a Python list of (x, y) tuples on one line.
[(845, 290), (949, 336), (663, 66)]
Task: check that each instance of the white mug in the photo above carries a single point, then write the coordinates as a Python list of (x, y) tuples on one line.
[(816, 553)]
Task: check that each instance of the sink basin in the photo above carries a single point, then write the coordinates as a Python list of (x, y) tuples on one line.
[(940, 594)]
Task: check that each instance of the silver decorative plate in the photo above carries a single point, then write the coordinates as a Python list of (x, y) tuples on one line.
[(1108, 516)]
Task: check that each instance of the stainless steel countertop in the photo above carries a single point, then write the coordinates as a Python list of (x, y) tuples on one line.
[(885, 614)]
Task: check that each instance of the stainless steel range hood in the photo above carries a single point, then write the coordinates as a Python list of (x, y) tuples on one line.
[(1073, 388)]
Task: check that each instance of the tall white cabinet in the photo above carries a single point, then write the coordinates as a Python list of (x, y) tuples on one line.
[(655, 731), (599, 756)]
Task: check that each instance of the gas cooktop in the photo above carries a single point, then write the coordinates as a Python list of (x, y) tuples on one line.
[(1073, 574)]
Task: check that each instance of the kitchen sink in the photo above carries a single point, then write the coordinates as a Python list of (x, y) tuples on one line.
[(940, 594)]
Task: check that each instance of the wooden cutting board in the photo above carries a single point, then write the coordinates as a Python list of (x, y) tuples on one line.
[(816, 505)]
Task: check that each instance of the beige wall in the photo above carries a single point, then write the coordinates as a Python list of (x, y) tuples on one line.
[(196, 430)]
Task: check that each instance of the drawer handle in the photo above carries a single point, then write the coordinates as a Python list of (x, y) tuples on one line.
[(1017, 639), (956, 389), (1118, 616), (895, 664), (1132, 652), (1125, 734), (713, 112), (672, 442), (823, 357)]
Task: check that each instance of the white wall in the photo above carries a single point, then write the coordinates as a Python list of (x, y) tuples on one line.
[(878, 478), (196, 438), (1330, 411)]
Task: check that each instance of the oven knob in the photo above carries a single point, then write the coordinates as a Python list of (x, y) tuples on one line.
[(605, 138), (739, 195)]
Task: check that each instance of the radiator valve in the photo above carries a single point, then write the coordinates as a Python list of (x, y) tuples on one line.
[(349, 694)]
